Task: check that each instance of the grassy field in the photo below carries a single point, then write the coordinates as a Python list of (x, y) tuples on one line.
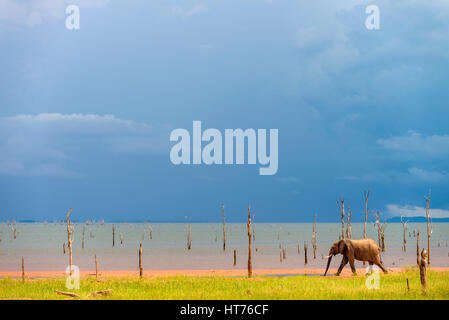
[(392, 286)]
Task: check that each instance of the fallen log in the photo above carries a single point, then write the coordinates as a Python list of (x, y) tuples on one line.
[(69, 294)]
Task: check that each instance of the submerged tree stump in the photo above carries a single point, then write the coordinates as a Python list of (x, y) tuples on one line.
[(140, 261), (305, 253), (23, 270), (96, 268), (224, 227), (250, 264), (113, 235)]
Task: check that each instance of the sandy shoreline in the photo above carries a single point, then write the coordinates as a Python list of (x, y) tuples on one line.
[(198, 273)]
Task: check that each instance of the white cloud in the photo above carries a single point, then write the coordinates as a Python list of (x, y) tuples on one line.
[(47, 143), (188, 12), (414, 142), (34, 12), (429, 175), (396, 210)]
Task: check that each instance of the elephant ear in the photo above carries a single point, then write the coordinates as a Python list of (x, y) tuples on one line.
[(342, 246)]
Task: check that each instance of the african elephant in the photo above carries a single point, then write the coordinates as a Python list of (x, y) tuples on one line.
[(362, 250)]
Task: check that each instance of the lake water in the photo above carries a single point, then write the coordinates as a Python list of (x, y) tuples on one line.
[(41, 245)]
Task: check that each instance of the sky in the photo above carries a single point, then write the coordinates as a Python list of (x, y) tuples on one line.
[(86, 115)]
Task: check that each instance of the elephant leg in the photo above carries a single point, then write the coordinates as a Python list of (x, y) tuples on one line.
[(370, 269), (351, 263), (344, 261), (378, 263)]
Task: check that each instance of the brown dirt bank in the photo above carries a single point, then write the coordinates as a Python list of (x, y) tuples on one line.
[(198, 273)]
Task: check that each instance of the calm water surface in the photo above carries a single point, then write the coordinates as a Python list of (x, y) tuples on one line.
[(41, 245)]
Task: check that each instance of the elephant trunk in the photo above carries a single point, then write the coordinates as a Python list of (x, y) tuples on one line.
[(328, 264)]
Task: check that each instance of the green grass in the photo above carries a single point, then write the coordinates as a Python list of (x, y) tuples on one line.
[(392, 286)]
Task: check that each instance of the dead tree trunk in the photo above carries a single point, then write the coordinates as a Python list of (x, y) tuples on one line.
[(96, 268), (63, 247), (429, 227), (342, 215), (69, 240), (235, 257), (113, 235), (365, 196), (250, 264), (23, 270), (254, 227), (189, 237), (404, 237), (140, 261), (314, 236), (305, 253), (82, 243), (349, 224), (423, 270), (380, 231), (224, 227)]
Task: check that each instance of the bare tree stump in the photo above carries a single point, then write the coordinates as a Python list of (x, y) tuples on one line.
[(250, 264), (365, 196), (408, 285), (70, 240), (140, 261), (254, 227), (113, 235), (349, 224), (314, 238), (82, 243), (224, 227), (189, 237), (63, 248), (404, 238), (342, 215), (235, 257), (23, 270), (423, 270), (305, 253), (96, 268), (429, 226)]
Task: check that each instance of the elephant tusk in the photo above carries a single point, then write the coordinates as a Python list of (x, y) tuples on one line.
[(327, 257)]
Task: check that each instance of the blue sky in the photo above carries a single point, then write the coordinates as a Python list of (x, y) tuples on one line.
[(85, 115)]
